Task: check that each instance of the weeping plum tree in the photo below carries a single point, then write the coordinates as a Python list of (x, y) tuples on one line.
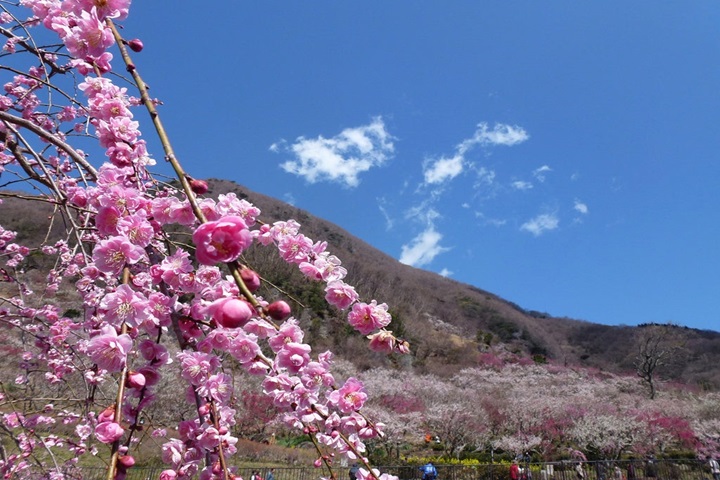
[(150, 303)]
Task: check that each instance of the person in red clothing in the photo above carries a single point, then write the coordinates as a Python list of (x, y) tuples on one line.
[(515, 471)]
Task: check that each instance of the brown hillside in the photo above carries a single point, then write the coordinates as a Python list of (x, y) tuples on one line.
[(450, 325)]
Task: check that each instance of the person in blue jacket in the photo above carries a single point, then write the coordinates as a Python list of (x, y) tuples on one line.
[(429, 472)]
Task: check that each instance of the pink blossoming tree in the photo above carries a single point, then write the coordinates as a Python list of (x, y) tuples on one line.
[(146, 292)]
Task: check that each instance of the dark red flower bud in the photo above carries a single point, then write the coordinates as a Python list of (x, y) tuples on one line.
[(279, 310), (135, 45), (199, 187)]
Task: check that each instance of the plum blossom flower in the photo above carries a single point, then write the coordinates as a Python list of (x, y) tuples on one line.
[(288, 332), (112, 254), (125, 306), (316, 374), (136, 228), (366, 318), (295, 249), (293, 356), (350, 397), (382, 341), (340, 294), (221, 241), (109, 350), (197, 366), (108, 432), (217, 386)]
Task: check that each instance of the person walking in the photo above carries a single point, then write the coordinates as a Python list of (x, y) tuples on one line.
[(579, 471), (270, 475), (714, 469), (515, 470)]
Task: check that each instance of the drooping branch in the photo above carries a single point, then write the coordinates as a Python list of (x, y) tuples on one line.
[(51, 138)]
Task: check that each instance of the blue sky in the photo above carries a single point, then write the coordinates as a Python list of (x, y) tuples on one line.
[(563, 155)]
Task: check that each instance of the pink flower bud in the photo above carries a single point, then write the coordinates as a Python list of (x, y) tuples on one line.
[(107, 415), (250, 278), (135, 380), (126, 461), (279, 310), (231, 312), (136, 45)]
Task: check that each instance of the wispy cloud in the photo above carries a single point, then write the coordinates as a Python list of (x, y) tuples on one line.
[(423, 248), (339, 159), (389, 222), (522, 185), (581, 207), (485, 220), (539, 173), (541, 224), (448, 167)]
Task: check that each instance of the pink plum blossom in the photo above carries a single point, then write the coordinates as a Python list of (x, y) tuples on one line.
[(366, 318), (221, 241), (197, 366), (288, 332), (124, 305), (111, 255), (293, 356), (108, 432), (382, 341), (340, 294), (350, 397), (109, 350)]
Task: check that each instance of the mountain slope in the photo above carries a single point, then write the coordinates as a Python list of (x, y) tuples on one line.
[(450, 325)]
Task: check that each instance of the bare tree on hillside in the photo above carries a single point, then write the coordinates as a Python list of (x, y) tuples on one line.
[(657, 346)]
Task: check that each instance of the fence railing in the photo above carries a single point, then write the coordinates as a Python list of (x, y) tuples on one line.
[(601, 470)]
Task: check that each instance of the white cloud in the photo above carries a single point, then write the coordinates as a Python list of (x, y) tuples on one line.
[(445, 272), (444, 169), (540, 224), (423, 249), (447, 168), (539, 173), (522, 185), (581, 207), (501, 134), (341, 158)]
